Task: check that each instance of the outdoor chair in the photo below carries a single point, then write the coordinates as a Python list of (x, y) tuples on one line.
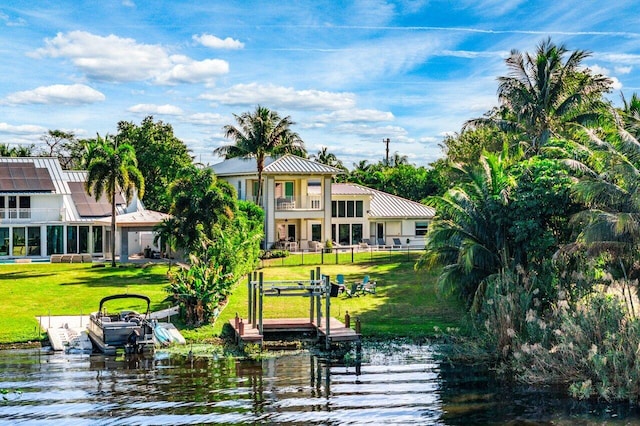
[(368, 286), (354, 291), (397, 243), (382, 243), (339, 284)]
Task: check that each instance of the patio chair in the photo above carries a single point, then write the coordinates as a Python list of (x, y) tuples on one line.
[(368, 286), (382, 243), (397, 243), (354, 291), (339, 284)]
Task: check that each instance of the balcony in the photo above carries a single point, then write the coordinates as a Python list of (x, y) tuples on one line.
[(11, 216), (299, 203)]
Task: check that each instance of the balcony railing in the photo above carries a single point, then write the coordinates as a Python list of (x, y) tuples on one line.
[(298, 203), (29, 215)]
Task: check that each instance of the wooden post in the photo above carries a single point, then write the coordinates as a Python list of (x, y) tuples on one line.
[(249, 290), (237, 321), (254, 301), (260, 287), (358, 325), (347, 320), (311, 300), (327, 298)]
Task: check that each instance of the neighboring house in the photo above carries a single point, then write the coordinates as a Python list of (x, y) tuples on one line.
[(304, 209), (45, 210)]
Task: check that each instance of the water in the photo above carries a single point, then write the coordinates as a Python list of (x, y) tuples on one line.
[(400, 384)]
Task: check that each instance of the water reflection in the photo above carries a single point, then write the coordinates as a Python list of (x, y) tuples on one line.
[(398, 384)]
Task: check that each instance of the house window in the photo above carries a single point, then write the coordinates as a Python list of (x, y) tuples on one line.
[(97, 239), (4, 241), (33, 240), (342, 209), (13, 207), (55, 240), (334, 209), (83, 240), (239, 190), (316, 232), (19, 242), (25, 207), (343, 237), (350, 209), (72, 239), (3, 206), (359, 209), (356, 233), (421, 228)]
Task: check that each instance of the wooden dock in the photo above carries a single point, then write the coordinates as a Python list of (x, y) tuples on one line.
[(338, 332)]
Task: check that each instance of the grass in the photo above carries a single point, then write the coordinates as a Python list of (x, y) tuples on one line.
[(406, 303), (31, 290)]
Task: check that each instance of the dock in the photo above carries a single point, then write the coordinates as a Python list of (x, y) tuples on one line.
[(338, 331)]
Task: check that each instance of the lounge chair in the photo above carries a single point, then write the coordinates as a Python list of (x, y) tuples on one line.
[(397, 243), (382, 243)]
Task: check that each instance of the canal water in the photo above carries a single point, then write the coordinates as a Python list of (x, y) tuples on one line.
[(393, 385)]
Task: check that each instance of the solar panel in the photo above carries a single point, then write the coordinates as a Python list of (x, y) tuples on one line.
[(24, 177), (87, 205)]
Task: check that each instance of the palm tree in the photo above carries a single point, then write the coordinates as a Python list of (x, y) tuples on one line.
[(325, 157), (113, 168), (200, 201), (260, 134), (543, 92), (610, 189), (398, 160), (168, 234), (631, 114), (467, 236)]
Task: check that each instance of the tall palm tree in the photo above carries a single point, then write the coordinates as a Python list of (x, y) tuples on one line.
[(113, 168), (543, 92), (467, 237), (260, 134), (631, 114)]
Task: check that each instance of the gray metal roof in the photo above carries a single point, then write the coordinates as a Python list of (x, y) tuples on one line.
[(288, 164), (383, 205)]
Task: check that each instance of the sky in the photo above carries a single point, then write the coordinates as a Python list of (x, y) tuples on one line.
[(349, 74)]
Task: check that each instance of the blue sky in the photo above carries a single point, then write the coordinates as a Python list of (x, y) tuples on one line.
[(350, 74)]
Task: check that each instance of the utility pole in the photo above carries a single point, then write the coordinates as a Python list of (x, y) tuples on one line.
[(386, 141)]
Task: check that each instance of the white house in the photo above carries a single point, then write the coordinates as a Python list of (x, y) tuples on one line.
[(304, 209), (45, 210)]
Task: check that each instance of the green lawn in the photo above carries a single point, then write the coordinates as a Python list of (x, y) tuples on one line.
[(406, 303), (30, 290)]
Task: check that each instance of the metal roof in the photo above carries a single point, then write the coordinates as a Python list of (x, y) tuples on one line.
[(287, 164), (384, 205), (139, 218)]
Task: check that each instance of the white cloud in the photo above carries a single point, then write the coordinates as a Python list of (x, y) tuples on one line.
[(23, 129), (113, 58), (281, 97), (356, 115), (206, 119), (623, 70), (366, 131), (214, 42), (195, 71), (597, 69), (155, 109), (74, 94)]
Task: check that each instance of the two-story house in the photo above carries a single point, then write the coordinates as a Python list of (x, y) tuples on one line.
[(304, 209), (45, 210)]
